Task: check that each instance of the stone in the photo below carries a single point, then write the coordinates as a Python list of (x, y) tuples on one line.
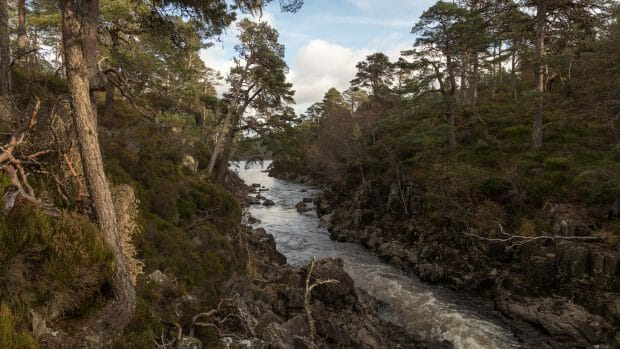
[(268, 202), (190, 163), (252, 200), (339, 293), (302, 207), (325, 221), (158, 277), (189, 343), (307, 200), (267, 318), (296, 326)]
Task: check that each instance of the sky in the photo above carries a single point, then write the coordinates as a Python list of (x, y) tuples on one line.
[(326, 38)]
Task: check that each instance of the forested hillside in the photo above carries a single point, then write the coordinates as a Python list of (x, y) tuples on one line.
[(485, 158)]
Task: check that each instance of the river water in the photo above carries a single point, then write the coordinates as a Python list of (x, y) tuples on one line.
[(432, 311)]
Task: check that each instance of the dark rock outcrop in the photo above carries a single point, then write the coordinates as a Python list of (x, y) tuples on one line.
[(570, 290), (344, 316)]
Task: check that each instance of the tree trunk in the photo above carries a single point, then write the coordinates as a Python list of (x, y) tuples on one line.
[(513, 70), (5, 52), (108, 107), (474, 85), (537, 124), (78, 74), (464, 68), (449, 100), (228, 148), (219, 142), (451, 124), (21, 28)]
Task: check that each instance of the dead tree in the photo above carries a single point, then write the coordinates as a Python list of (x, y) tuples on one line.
[(307, 306), (515, 240), (13, 165)]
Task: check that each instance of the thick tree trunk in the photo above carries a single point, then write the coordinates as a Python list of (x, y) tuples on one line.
[(21, 27), (449, 100), (464, 68), (78, 73), (474, 85), (5, 52), (219, 142), (537, 124), (226, 154)]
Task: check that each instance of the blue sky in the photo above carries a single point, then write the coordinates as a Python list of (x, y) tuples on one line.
[(325, 39)]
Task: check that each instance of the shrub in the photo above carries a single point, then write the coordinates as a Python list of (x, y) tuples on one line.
[(54, 263), (495, 188), (10, 336)]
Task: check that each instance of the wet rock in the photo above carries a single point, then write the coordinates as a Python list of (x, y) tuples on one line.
[(267, 318), (575, 261), (253, 220), (266, 244), (302, 207), (268, 202), (325, 221), (297, 326), (252, 200), (307, 200), (277, 337), (303, 190), (256, 185), (339, 293), (561, 318)]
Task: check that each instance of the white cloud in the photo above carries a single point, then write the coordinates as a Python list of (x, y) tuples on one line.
[(319, 66), (218, 58)]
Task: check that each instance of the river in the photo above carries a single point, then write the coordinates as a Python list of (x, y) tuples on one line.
[(432, 311)]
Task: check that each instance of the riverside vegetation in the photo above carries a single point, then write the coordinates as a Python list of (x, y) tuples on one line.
[(486, 159), (119, 226), (439, 162)]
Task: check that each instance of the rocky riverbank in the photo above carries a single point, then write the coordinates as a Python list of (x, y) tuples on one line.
[(269, 301), (567, 291), (274, 298)]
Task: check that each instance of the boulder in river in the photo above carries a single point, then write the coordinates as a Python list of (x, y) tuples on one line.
[(307, 200), (302, 207), (268, 202), (252, 200), (256, 185)]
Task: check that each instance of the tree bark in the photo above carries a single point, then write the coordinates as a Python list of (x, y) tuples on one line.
[(451, 123), (108, 107), (21, 28), (464, 68), (78, 74), (537, 124), (474, 85), (449, 99), (219, 142), (228, 149), (5, 52)]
